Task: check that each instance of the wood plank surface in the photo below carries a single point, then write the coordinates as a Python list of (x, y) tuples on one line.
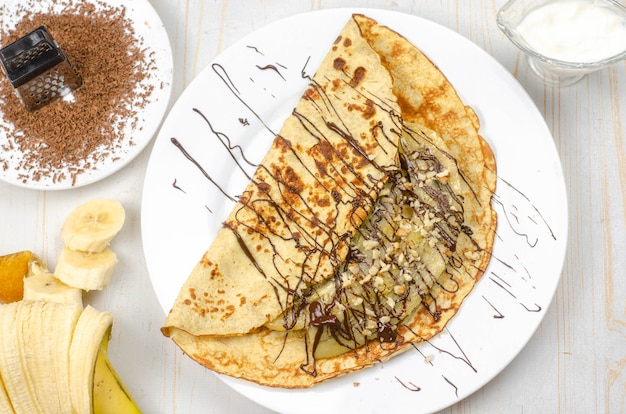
[(575, 362)]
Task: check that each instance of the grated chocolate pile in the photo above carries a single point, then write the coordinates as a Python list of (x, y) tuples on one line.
[(67, 138)]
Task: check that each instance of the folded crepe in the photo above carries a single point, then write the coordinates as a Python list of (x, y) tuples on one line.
[(379, 239), (293, 223)]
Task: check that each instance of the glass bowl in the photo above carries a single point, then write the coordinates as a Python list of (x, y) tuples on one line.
[(552, 71)]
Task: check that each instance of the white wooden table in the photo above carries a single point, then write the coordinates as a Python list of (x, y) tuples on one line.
[(575, 362)]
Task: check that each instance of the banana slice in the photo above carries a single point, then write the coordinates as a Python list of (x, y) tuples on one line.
[(90, 331), (85, 270), (91, 226), (39, 284)]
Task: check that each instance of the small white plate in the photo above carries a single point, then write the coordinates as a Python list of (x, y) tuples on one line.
[(239, 102), (136, 133)]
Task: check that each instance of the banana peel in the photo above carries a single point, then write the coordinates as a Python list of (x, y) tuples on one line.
[(13, 269), (109, 394)]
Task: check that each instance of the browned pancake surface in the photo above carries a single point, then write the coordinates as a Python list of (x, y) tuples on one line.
[(233, 339), (292, 224)]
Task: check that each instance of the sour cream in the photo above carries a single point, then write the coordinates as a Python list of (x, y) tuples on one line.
[(574, 30)]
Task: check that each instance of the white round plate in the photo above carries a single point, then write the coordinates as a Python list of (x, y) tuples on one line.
[(152, 36), (235, 103)]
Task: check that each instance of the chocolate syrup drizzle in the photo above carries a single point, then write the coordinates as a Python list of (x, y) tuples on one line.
[(176, 186), (178, 145), (456, 389), (384, 305), (221, 72), (411, 387), (498, 314), (273, 68)]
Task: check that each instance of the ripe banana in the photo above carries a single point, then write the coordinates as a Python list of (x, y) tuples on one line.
[(91, 226), (39, 284), (110, 395), (60, 370), (85, 270), (64, 369)]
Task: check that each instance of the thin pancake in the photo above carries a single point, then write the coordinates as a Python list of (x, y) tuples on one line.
[(292, 225), (440, 127)]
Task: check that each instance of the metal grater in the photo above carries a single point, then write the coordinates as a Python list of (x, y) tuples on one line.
[(38, 69)]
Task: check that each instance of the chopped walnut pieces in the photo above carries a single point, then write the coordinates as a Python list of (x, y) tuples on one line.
[(443, 176), (365, 280), (401, 232), (347, 280), (379, 283), (370, 244), (399, 289), (471, 254), (357, 301), (376, 254)]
